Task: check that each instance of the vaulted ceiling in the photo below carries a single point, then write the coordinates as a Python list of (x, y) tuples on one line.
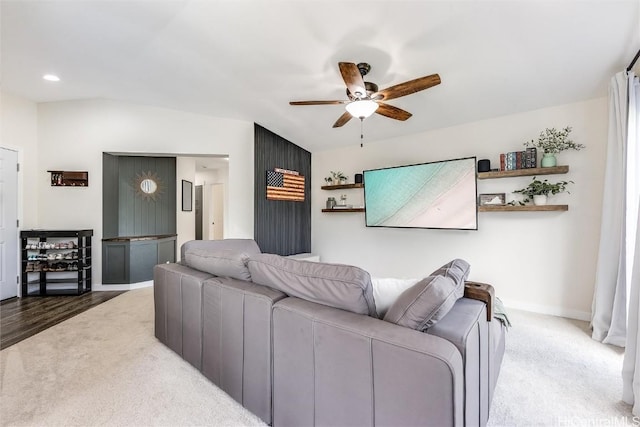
[(246, 59)]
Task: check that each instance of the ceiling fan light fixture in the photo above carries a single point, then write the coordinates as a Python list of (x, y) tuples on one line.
[(363, 97), (362, 109)]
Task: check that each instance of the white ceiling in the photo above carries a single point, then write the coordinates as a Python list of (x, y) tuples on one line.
[(205, 164), (247, 59)]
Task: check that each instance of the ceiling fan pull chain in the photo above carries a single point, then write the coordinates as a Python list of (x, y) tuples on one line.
[(361, 131)]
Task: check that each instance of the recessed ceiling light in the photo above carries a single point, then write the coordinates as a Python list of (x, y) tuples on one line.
[(51, 78)]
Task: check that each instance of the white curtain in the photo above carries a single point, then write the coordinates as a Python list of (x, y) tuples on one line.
[(631, 365), (609, 314)]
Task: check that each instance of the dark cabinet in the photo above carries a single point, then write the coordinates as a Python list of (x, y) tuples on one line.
[(127, 260), (56, 262)]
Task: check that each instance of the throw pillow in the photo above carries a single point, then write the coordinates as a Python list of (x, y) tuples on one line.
[(458, 271), (429, 300)]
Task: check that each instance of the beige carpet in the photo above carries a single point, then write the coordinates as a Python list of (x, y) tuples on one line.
[(554, 374), (105, 367)]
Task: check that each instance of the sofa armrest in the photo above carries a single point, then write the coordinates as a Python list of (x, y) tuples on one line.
[(481, 292), (328, 362)]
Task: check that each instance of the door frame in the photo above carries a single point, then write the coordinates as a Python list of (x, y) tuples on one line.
[(19, 211)]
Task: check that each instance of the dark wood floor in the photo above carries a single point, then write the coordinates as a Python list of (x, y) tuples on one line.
[(21, 318)]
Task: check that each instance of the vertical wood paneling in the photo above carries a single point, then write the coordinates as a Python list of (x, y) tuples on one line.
[(109, 195), (169, 201), (126, 213), (155, 214), (280, 227)]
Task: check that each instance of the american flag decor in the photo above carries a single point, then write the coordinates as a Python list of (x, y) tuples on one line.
[(285, 186)]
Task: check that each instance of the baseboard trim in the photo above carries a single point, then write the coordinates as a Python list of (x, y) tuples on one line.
[(99, 287), (546, 309)]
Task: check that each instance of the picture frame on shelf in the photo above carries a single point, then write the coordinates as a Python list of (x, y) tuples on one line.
[(495, 199)]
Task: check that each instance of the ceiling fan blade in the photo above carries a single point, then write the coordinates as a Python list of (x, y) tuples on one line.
[(318, 102), (392, 112), (353, 79), (344, 118), (407, 88)]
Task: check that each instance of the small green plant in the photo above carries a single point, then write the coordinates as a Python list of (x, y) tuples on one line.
[(337, 176), (553, 141), (543, 188)]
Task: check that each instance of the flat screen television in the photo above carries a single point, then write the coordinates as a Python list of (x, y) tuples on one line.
[(429, 195)]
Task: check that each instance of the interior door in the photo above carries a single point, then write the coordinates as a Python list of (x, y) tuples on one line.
[(217, 211), (8, 223)]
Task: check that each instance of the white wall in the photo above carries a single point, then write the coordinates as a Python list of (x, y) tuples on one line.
[(185, 220), (540, 261), (19, 132), (74, 134)]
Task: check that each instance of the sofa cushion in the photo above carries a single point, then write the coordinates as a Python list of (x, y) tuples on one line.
[(424, 304), (248, 246), (221, 262), (336, 285)]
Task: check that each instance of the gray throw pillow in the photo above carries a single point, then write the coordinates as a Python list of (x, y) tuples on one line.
[(458, 271), (336, 285), (221, 262), (429, 300)]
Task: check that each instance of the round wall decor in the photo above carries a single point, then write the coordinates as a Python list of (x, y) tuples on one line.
[(148, 185)]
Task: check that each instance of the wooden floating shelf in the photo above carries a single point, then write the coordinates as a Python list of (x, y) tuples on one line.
[(523, 172), (527, 208), (69, 178), (344, 210), (342, 186)]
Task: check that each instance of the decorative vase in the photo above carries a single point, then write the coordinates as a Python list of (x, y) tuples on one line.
[(540, 200), (331, 203), (549, 160)]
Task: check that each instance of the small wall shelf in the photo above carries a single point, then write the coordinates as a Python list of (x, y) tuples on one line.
[(523, 172), (69, 178), (527, 208), (342, 186), (344, 210)]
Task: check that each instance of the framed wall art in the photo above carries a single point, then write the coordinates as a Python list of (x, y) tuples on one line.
[(187, 196), (492, 199)]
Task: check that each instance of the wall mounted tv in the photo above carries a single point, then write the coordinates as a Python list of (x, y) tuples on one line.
[(428, 195)]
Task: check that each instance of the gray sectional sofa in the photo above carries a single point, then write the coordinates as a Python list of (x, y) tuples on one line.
[(299, 343)]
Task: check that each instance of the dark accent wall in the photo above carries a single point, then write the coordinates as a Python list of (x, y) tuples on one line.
[(109, 195), (280, 227), (126, 213)]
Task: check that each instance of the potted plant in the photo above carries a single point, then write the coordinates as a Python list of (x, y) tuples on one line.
[(540, 190), (338, 177), (553, 141)]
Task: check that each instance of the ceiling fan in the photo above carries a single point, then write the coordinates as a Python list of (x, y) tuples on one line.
[(365, 98)]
